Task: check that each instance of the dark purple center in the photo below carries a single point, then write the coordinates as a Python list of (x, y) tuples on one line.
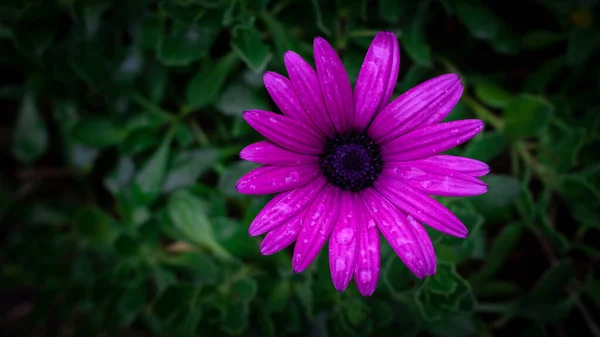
[(351, 162)]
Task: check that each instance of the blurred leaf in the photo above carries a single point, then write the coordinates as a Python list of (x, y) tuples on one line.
[(248, 45), (395, 275), (526, 116), (237, 98), (540, 79), (486, 146), (545, 302), (204, 88), (390, 10), (187, 166), (233, 236), (540, 39), (178, 310), (581, 45), (480, 21), (182, 10), (188, 215), (230, 176), (187, 42), (451, 325), (149, 179), (203, 267), (413, 40), (99, 132), (442, 281), (30, 138), (95, 225), (491, 94), (495, 204), (503, 245), (120, 176)]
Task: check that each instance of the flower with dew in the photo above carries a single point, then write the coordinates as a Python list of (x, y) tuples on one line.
[(347, 165)]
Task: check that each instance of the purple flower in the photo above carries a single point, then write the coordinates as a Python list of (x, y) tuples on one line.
[(348, 165)]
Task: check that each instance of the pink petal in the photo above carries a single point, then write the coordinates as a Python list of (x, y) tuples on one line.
[(343, 244), (316, 227), (435, 97), (283, 94), (267, 153), (337, 91), (285, 206), (465, 165), (420, 206), (273, 179), (282, 236), (434, 180), (285, 132), (306, 84), (405, 235), (430, 140), (376, 79), (368, 262)]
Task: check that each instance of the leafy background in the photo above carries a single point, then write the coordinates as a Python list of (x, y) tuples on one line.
[(120, 133)]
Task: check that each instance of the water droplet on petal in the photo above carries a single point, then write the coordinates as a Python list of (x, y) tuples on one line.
[(340, 264), (371, 224), (345, 236), (402, 241), (425, 184), (365, 276)]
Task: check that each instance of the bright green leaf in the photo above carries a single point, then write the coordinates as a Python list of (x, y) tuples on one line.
[(248, 45)]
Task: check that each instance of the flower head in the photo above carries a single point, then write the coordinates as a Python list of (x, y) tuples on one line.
[(347, 165)]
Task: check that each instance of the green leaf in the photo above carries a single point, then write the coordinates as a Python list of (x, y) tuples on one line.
[(187, 42), (95, 225), (395, 275), (281, 35), (204, 269), (503, 245), (496, 203), (492, 94), (581, 45), (204, 88), (237, 98), (231, 175), (451, 325), (149, 180), (120, 176), (233, 236), (187, 166), (526, 116), (189, 216), (390, 10), (248, 45), (540, 39), (414, 42), (442, 282), (30, 138), (486, 146), (184, 11), (540, 79), (99, 132), (480, 21)]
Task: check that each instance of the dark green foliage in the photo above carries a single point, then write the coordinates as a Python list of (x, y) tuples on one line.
[(120, 133)]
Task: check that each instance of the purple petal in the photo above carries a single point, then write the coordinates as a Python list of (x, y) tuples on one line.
[(435, 97), (307, 87), (343, 244), (316, 227), (285, 132), (434, 180), (284, 206), (405, 235), (376, 79), (337, 91), (430, 140), (267, 153), (283, 94), (368, 262), (465, 165), (274, 179), (420, 206), (282, 236)]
